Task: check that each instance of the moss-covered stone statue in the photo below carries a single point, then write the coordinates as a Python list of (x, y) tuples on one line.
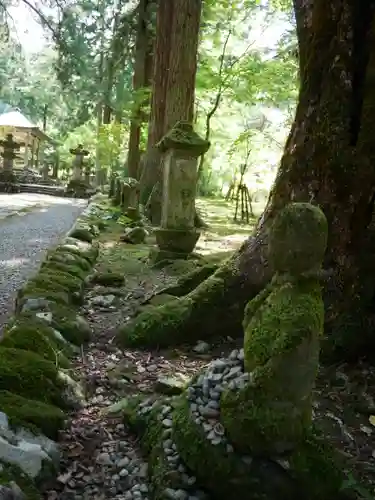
[(243, 426), (282, 326)]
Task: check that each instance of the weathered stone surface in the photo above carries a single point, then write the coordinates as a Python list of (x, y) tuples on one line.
[(177, 240), (171, 385), (35, 455), (134, 235), (181, 148)]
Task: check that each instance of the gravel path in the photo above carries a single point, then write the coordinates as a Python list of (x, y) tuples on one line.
[(25, 239)]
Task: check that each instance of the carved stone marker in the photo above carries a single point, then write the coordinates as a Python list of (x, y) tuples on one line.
[(79, 154), (181, 148), (45, 171), (130, 197), (9, 151)]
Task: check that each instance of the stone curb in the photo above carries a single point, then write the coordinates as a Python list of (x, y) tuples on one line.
[(28, 458)]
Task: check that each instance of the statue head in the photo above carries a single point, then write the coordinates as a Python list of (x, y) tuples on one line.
[(298, 239)]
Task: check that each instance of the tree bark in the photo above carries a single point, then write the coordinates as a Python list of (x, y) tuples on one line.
[(150, 166), (141, 80), (173, 87), (329, 160)]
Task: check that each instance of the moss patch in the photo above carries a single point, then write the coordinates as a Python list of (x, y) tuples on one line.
[(73, 327), (33, 336), (183, 137), (70, 269), (29, 375), (59, 281), (282, 354), (224, 473), (32, 292), (152, 327), (69, 256), (32, 414), (298, 239), (82, 233)]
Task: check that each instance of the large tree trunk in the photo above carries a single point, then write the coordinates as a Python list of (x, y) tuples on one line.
[(174, 85), (141, 80), (329, 160)]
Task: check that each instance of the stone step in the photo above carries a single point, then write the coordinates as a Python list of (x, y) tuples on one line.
[(42, 189)]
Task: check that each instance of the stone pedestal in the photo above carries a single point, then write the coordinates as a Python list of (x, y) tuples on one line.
[(181, 148)]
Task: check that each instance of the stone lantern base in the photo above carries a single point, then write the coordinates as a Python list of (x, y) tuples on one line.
[(175, 243), (133, 213)]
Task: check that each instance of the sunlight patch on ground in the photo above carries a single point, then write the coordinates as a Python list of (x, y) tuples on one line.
[(223, 233)]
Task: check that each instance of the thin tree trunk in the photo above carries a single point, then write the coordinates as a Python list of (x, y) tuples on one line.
[(140, 81), (99, 106), (329, 160), (156, 127)]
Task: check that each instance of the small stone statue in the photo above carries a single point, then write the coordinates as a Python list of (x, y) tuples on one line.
[(283, 326)]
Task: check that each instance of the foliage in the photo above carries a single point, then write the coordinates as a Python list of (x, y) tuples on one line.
[(247, 69)]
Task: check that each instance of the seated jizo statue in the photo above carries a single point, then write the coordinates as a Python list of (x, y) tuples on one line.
[(282, 327)]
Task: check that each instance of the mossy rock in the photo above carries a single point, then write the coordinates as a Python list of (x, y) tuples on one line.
[(65, 320), (82, 233), (35, 337), (73, 286), (29, 375), (226, 474), (87, 250), (312, 472), (31, 292), (12, 474), (71, 283), (70, 269), (73, 327), (32, 414), (152, 327), (69, 256), (38, 320), (44, 283), (108, 278)]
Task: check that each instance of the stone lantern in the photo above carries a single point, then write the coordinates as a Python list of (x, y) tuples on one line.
[(9, 151), (79, 154), (181, 147)]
